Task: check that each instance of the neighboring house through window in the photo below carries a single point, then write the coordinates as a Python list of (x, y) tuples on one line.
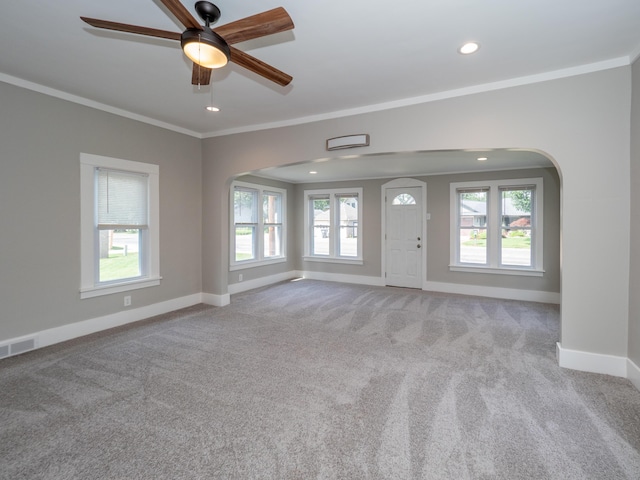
[(333, 225), (257, 225), (497, 226), (119, 229)]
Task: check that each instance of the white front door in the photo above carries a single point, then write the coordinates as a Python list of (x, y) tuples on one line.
[(404, 242)]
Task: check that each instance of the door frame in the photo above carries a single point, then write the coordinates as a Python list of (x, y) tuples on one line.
[(400, 183)]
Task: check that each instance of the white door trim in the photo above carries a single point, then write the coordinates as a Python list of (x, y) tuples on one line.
[(399, 183)]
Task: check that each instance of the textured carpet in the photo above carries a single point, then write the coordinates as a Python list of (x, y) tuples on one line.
[(319, 380)]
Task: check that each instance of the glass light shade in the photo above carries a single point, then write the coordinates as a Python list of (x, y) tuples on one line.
[(205, 48), (469, 48), (205, 55)]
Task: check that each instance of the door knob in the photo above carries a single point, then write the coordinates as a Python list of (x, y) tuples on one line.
[(418, 238), (419, 245)]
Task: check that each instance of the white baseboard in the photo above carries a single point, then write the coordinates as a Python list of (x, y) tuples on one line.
[(51, 336), (633, 373), (262, 282), (493, 292), (592, 362), (461, 289), (344, 278), (216, 300)]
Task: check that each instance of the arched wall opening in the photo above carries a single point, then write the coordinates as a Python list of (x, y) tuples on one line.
[(580, 122), (437, 170)]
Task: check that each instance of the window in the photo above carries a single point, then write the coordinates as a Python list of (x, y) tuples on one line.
[(257, 230), (472, 223), (272, 224), (333, 225), (404, 199), (497, 226), (119, 225)]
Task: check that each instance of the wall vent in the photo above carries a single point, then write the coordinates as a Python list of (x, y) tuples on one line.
[(348, 141), (17, 347)]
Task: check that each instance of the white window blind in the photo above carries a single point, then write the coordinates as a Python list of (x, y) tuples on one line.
[(122, 199)]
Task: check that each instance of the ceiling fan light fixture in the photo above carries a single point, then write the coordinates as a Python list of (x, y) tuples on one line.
[(205, 48)]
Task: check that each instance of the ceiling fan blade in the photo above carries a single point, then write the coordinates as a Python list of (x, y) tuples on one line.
[(200, 75), (181, 13), (123, 27), (257, 66), (265, 23)]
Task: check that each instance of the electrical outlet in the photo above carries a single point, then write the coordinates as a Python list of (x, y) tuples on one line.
[(127, 301), (239, 277)]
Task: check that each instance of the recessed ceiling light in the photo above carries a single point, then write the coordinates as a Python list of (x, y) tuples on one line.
[(468, 48), (211, 108), (313, 172), (482, 159)]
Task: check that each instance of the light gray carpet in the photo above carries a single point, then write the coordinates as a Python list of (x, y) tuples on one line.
[(306, 380)]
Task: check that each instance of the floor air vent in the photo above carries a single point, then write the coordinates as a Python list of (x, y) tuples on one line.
[(17, 347)]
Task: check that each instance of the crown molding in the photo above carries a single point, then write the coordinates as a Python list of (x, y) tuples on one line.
[(52, 92), (460, 92)]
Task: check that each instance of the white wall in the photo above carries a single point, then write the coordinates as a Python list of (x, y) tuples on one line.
[(581, 122)]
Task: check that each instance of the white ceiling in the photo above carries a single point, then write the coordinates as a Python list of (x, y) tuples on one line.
[(400, 164), (345, 56)]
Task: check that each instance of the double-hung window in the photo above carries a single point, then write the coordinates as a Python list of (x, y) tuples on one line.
[(258, 229), (497, 227), (333, 220), (119, 229)]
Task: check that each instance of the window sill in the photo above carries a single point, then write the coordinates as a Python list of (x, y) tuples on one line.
[(524, 272), (97, 291), (256, 263), (348, 261)]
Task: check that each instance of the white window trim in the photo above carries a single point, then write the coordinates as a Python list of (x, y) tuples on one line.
[(332, 257), (88, 232), (260, 260), (493, 231)]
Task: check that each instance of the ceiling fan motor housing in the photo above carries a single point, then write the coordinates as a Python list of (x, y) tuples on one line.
[(198, 39), (209, 49)]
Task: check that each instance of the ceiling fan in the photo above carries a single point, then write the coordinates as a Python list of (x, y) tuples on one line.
[(211, 48)]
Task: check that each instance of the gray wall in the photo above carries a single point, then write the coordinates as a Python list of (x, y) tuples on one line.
[(580, 122), (371, 228), (438, 241), (634, 278), (41, 138)]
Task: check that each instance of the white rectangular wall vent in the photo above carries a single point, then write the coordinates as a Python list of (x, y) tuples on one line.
[(23, 346), (18, 346), (348, 141)]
